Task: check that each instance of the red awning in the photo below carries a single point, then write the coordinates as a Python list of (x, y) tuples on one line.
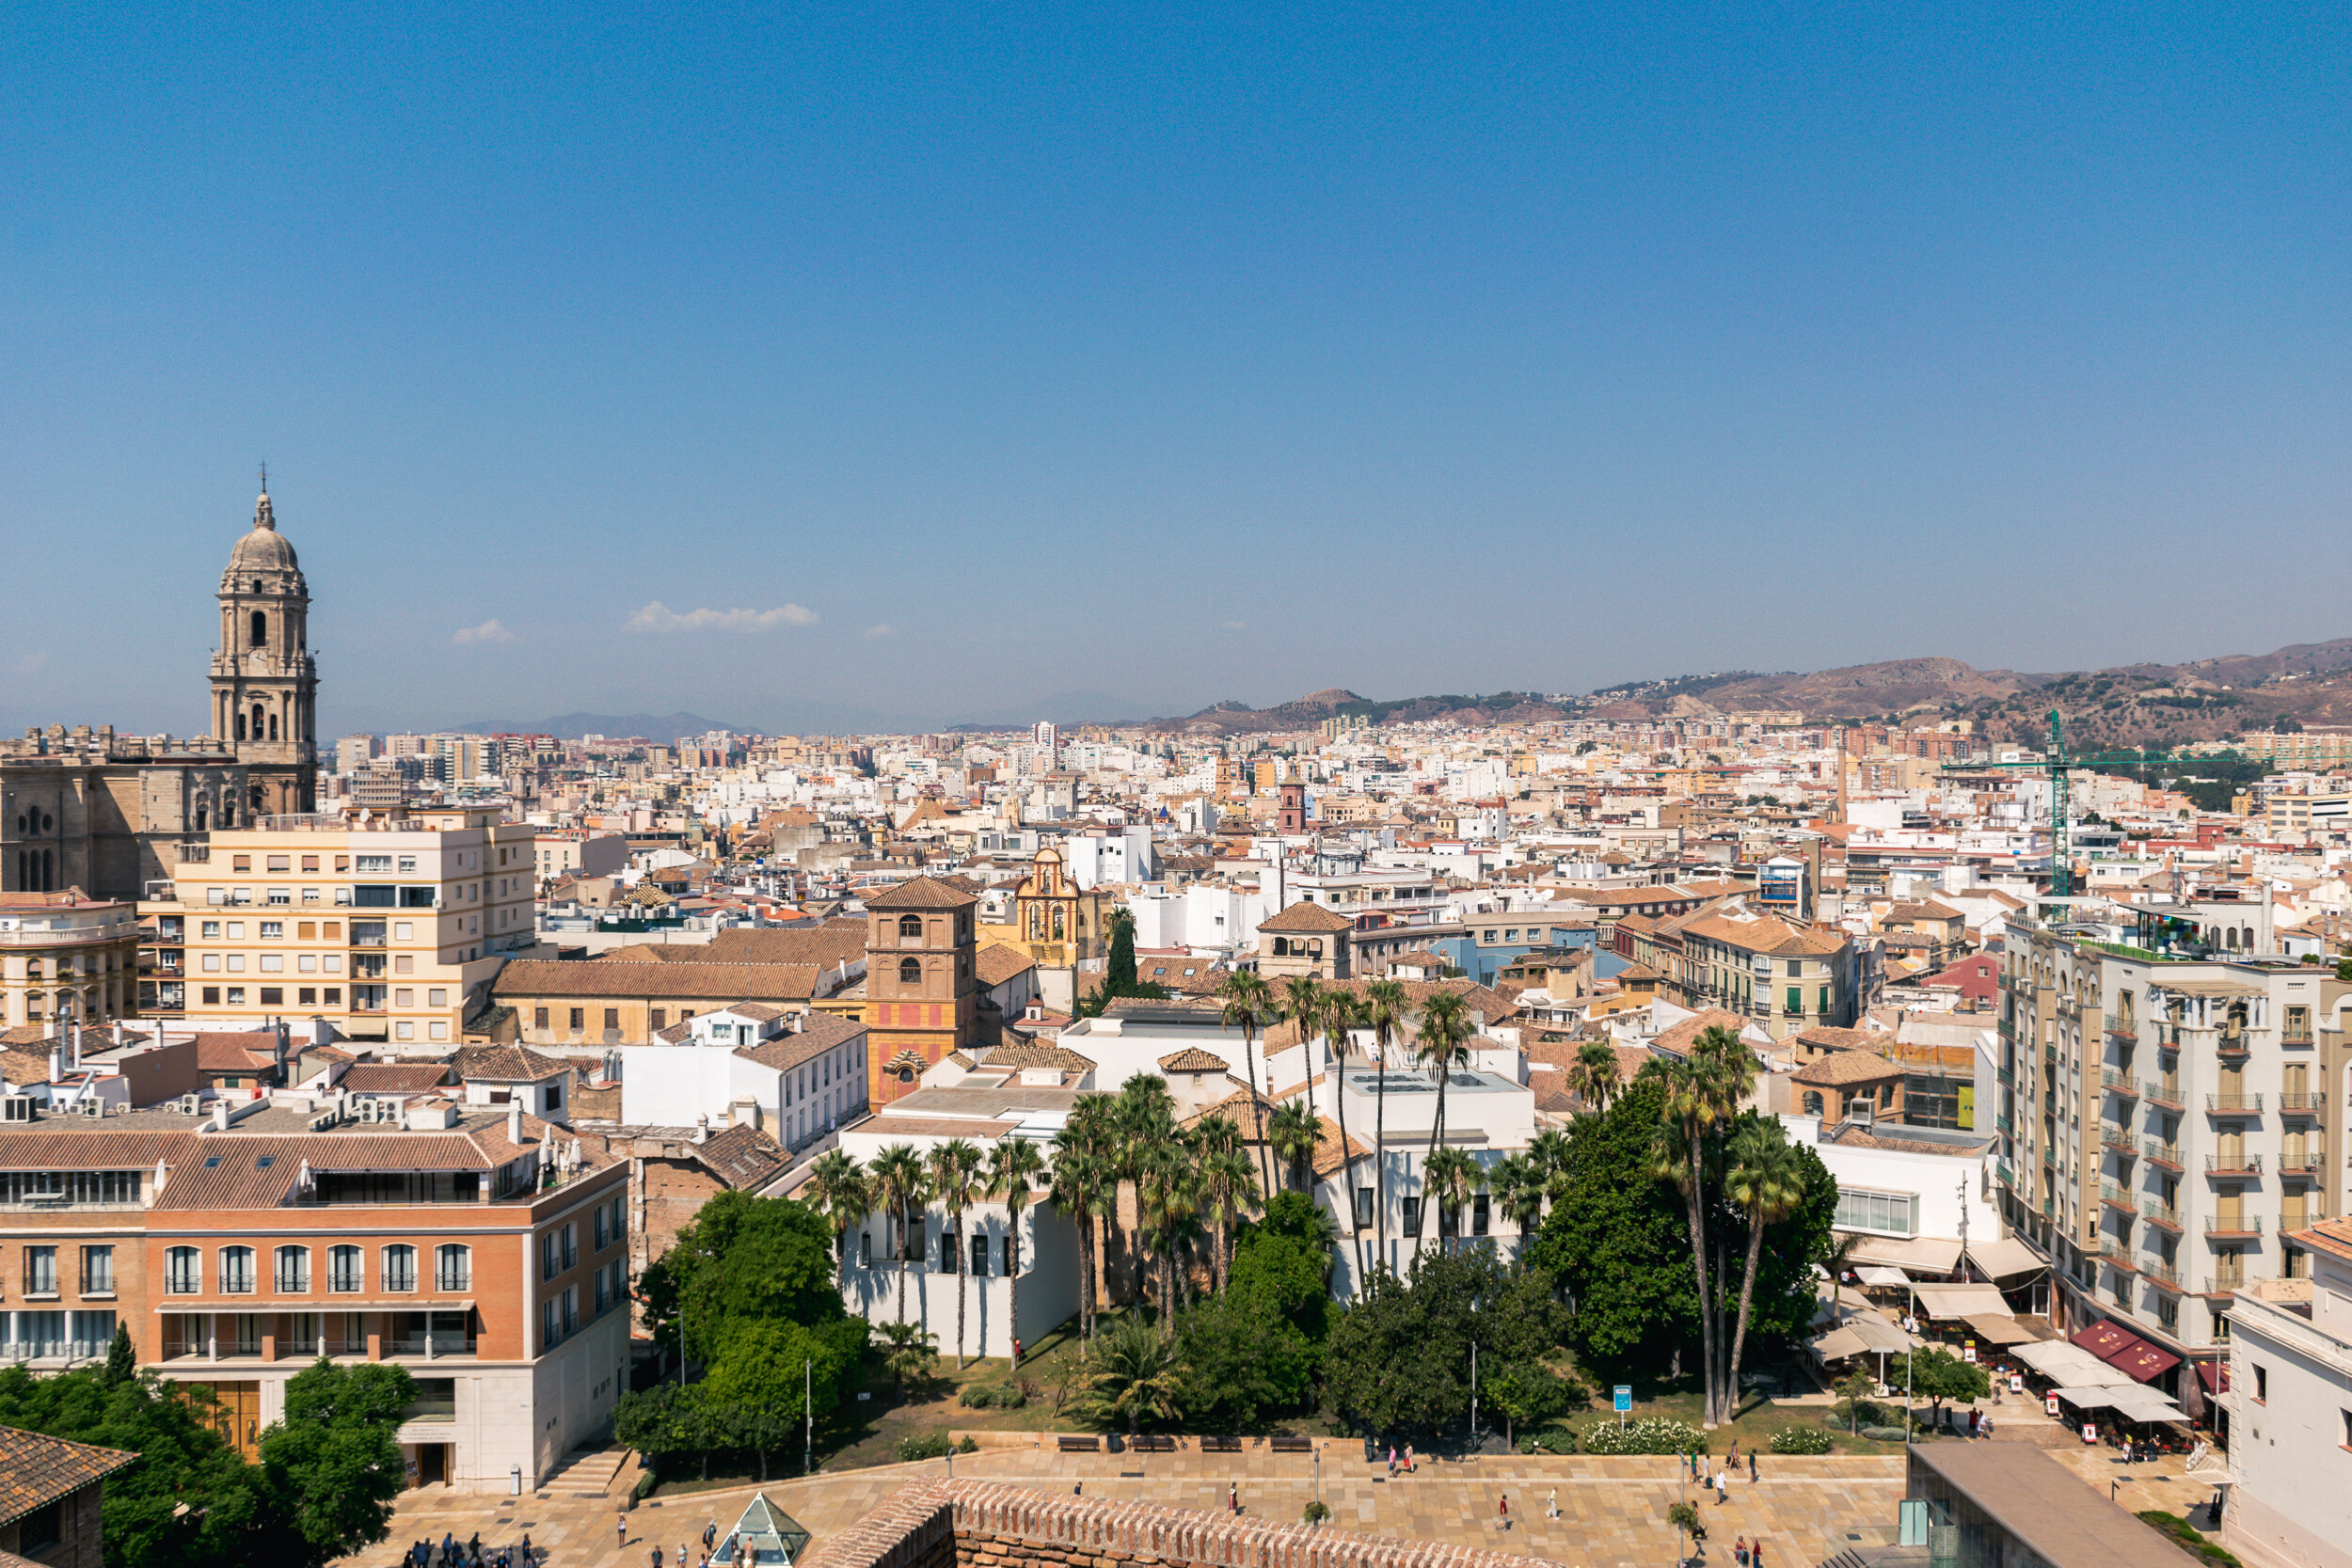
[(2214, 1375), (2104, 1338), (2144, 1361)]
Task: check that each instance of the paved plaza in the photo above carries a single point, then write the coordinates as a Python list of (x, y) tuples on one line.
[(1611, 1510)]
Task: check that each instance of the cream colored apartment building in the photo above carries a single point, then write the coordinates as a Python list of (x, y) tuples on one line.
[(386, 926)]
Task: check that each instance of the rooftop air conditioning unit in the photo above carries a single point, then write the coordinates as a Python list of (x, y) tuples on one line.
[(92, 1106), (16, 1107), (191, 1104)]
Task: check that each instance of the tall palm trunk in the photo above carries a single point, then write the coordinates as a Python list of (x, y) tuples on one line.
[(1333, 1075), (902, 1262), (1380, 1153), (1694, 1205), (1747, 1294), (1437, 1131), (1257, 1106), (960, 1292), (1012, 1283)]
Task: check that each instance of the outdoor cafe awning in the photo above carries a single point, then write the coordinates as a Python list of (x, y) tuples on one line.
[(1996, 1329), (2069, 1366), (1914, 1253), (1838, 1344), (1880, 1274), (1963, 1301), (2005, 1259), (2126, 1351), (1882, 1337)]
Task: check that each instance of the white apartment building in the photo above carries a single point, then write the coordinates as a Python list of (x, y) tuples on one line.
[(385, 925), (2290, 1408)]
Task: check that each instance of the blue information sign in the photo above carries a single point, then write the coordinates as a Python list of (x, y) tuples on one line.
[(1625, 1396)]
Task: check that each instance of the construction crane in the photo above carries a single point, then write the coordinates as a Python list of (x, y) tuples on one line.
[(2058, 765)]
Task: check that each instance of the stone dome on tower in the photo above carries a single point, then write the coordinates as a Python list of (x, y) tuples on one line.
[(264, 549)]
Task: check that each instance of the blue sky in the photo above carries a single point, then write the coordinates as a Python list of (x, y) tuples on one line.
[(977, 353)]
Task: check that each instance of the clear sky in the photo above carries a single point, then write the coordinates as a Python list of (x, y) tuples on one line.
[(935, 360)]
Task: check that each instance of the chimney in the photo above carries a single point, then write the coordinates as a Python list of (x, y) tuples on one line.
[(74, 1033), (701, 1128), (56, 1064), (515, 1122), (220, 1116), (118, 1034)]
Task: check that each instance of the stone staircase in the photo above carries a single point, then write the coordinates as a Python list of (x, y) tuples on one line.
[(587, 1472)]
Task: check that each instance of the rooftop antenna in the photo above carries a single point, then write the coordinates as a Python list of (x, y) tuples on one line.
[(265, 479)]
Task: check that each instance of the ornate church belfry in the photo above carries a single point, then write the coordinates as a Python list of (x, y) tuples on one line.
[(264, 681)]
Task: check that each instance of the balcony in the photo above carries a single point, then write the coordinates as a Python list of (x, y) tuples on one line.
[(2294, 1036), (2300, 1104), (2165, 1092), (2166, 1155), (2002, 1123), (2234, 1045), (2117, 1255), (2305, 1163), (2116, 1197), (2116, 1141), (2234, 1164), (2008, 1079), (2220, 1226), (2165, 1277), (2234, 1104), (2122, 1083), (2122, 1029), (2223, 1284), (2159, 1213)]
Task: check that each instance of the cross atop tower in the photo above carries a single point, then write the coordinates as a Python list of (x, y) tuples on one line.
[(265, 479)]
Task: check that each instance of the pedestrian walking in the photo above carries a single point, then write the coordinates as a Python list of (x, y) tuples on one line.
[(1756, 1554), (710, 1537), (1504, 1509), (1722, 1488), (1751, 1463), (620, 1530), (529, 1559), (1551, 1503), (656, 1556), (1739, 1549), (1233, 1497), (1392, 1461), (1735, 1453), (1412, 1466), (681, 1554)]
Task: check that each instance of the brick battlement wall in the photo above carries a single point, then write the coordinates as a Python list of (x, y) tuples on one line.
[(980, 1524)]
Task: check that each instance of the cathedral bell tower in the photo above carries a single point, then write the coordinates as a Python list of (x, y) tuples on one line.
[(264, 682)]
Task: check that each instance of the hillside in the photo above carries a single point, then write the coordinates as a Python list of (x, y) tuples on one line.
[(2126, 705)]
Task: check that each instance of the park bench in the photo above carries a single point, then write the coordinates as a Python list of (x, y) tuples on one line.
[(1287, 1443), (1221, 1445), (1078, 1445), (1151, 1444)]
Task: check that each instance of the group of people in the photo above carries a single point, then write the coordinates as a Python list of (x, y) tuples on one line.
[(451, 1553), (1409, 1465), (686, 1557), (1719, 1481)]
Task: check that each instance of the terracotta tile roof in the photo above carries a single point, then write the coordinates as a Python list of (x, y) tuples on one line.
[(1679, 1039), (1829, 1038), (1849, 1066), (36, 1470), (1039, 1056), (1326, 1161), (819, 1034), (241, 1051), (1193, 1059), (1312, 918), (508, 1063), (887, 1126), (923, 892), (2333, 1237), (1763, 934), (742, 1157), (997, 963), (1928, 911), (22, 1067), (605, 978), (394, 1077)]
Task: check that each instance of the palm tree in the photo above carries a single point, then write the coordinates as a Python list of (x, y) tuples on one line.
[(906, 1347), (897, 1176), (1594, 1078), (839, 1190), (1138, 1375), (1229, 1190), (954, 1170), (1452, 1176), (1294, 1132), (1248, 1000), (1767, 1183), (1340, 1012), (1385, 1006), (1518, 1183), (1143, 1118), (1302, 1005), (1440, 1043), (1166, 1203), (1702, 1089), (1082, 1186), (1014, 1164)]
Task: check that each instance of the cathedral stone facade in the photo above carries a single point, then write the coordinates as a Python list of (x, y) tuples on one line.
[(105, 812)]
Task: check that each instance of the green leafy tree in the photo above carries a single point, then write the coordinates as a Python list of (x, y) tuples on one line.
[(666, 1421), (1526, 1392), (332, 1466), (1120, 973), (1936, 1374), (1855, 1387), (1084, 1189), (1398, 1358), (189, 1500), (742, 1256), (768, 1367), (122, 1360)]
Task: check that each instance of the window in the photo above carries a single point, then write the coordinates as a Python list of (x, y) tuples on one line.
[(550, 1258), (97, 1271), (1481, 1213), (620, 1218), (910, 929), (273, 997), (2261, 1384), (1412, 1217), (1363, 1208), (240, 862), (1889, 1213), (40, 1271), (571, 1245), (293, 1270), (550, 1323), (400, 1267), (910, 971), (212, 995), (579, 1020), (381, 863), (602, 1221), (571, 1308), (236, 1271), (657, 1018), (613, 1020), (184, 1273), (538, 1018), (346, 1273), (273, 930), (603, 1293), (1796, 968), (1795, 1000), (453, 1268)]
